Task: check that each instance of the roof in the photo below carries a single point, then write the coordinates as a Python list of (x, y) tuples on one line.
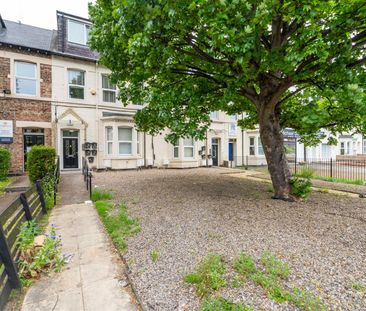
[(22, 35)]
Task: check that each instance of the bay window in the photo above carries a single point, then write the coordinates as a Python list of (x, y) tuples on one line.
[(76, 83), (188, 145), (176, 149), (260, 147), (251, 145), (109, 139), (124, 141), (25, 78)]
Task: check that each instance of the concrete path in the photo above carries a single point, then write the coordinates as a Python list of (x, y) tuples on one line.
[(93, 279)]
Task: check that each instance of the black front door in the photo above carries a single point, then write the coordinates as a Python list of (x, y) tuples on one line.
[(71, 154), (215, 152), (31, 138)]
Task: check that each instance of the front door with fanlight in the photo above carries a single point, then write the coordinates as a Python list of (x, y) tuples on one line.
[(70, 149)]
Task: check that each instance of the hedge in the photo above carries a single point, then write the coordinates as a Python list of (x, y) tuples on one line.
[(4, 163), (40, 162)]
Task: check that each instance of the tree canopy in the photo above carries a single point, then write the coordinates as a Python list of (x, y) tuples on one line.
[(186, 58)]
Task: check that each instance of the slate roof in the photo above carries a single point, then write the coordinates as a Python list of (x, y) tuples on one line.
[(45, 40), (26, 36)]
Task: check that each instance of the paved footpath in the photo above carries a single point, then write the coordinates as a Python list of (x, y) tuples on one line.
[(93, 279)]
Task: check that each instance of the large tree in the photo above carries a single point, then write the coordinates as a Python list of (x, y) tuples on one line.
[(284, 63)]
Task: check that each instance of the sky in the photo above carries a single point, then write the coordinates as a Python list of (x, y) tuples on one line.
[(41, 13)]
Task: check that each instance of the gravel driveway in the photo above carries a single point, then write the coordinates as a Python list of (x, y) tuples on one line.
[(187, 214)]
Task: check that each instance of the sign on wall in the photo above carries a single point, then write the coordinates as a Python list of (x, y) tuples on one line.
[(6, 131)]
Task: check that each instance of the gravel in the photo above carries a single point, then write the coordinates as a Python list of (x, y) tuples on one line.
[(187, 214)]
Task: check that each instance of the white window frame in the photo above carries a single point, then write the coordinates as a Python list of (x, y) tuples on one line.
[(260, 146), (85, 30), (176, 150), (364, 146), (214, 115), (188, 147), (24, 77), (138, 147), (342, 148), (252, 146), (108, 90), (75, 85), (125, 141), (109, 141)]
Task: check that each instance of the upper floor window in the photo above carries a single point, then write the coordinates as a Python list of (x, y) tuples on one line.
[(109, 90), (233, 117), (125, 140), (76, 84), (214, 115), (77, 32), (25, 78), (188, 144)]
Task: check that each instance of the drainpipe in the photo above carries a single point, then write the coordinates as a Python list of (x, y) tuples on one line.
[(206, 152), (145, 164), (153, 149), (242, 141), (96, 111)]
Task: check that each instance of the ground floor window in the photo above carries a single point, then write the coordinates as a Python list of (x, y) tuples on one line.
[(188, 145), (176, 149), (364, 146), (109, 139), (125, 141), (260, 147), (251, 145)]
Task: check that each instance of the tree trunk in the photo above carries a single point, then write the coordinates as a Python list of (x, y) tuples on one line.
[(272, 140)]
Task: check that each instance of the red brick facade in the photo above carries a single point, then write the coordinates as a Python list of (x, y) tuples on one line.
[(21, 109)]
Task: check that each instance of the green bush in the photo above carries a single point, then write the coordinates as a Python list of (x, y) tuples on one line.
[(300, 187), (40, 162), (4, 163)]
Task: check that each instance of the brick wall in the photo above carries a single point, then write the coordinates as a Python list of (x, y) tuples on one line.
[(23, 110), (46, 80), (4, 72)]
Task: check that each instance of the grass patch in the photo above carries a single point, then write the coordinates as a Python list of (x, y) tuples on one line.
[(117, 222), (100, 195), (221, 304), (332, 179), (270, 277), (154, 255), (4, 184), (208, 277)]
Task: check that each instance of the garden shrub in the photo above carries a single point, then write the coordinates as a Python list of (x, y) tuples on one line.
[(301, 187), (40, 162), (4, 163)]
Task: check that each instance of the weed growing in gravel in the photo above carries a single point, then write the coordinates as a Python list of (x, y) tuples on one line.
[(238, 281), (154, 255), (100, 194), (270, 281), (323, 190), (245, 265), (117, 222), (221, 304), (300, 188), (208, 277), (274, 266), (359, 287)]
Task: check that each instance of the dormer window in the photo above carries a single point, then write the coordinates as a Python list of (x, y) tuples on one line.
[(77, 32)]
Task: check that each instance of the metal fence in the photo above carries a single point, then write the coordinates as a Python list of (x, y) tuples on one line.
[(350, 169), (30, 205)]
